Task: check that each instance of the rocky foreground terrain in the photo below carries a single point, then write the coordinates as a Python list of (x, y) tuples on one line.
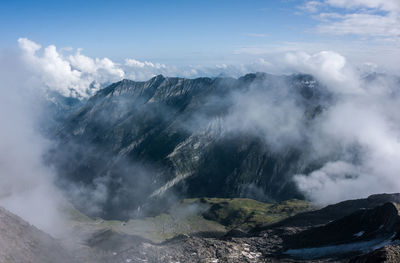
[(363, 230), (21, 242)]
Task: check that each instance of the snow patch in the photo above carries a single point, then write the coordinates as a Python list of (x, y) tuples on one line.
[(359, 234)]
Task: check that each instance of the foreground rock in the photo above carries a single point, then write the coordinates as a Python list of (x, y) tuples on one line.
[(367, 231), (22, 242), (361, 231), (388, 254)]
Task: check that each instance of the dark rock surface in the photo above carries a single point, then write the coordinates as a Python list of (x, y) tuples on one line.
[(21, 242), (387, 254), (380, 223), (148, 142), (337, 211)]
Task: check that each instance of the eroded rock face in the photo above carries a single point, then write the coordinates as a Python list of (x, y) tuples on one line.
[(22, 242), (370, 232), (145, 140), (387, 254), (382, 222), (337, 211)]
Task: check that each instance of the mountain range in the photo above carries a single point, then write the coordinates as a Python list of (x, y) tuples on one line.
[(198, 170), (140, 146)]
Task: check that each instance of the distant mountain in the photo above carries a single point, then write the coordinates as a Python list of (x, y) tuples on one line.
[(56, 108), (134, 146)]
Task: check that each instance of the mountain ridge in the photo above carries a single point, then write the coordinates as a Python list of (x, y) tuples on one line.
[(179, 134)]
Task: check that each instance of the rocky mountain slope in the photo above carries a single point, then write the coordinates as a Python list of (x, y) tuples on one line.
[(149, 143), (360, 235), (367, 231), (22, 242)]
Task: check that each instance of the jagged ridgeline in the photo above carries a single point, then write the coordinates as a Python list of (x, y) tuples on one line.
[(135, 147)]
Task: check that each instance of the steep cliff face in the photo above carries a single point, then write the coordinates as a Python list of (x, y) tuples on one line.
[(168, 137)]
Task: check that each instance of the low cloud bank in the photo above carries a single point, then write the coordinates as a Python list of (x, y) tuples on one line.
[(26, 187), (361, 130), (71, 73), (358, 134)]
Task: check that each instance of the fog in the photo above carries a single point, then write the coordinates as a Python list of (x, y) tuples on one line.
[(26, 187), (355, 138), (364, 127)]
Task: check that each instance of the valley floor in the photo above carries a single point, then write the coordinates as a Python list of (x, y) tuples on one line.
[(356, 231)]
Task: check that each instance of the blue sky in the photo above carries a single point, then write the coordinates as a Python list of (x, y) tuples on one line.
[(184, 37), (165, 31)]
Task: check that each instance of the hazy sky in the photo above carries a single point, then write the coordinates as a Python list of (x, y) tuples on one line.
[(207, 32)]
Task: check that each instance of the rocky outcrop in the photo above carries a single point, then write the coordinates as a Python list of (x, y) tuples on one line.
[(387, 254), (22, 242), (366, 235), (375, 224), (337, 211)]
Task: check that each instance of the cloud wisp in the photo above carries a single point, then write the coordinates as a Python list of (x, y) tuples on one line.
[(357, 135), (378, 19), (360, 131), (27, 187)]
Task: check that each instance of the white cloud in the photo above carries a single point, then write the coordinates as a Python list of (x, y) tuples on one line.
[(359, 133), (73, 74), (362, 24), (271, 114), (329, 67), (29, 46), (373, 18), (82, 63), (135, 63), (337, 181), (26, 187), (69, 75), (363, 131), (130, 62), (311, 6), (363, 117), (386, 5)]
